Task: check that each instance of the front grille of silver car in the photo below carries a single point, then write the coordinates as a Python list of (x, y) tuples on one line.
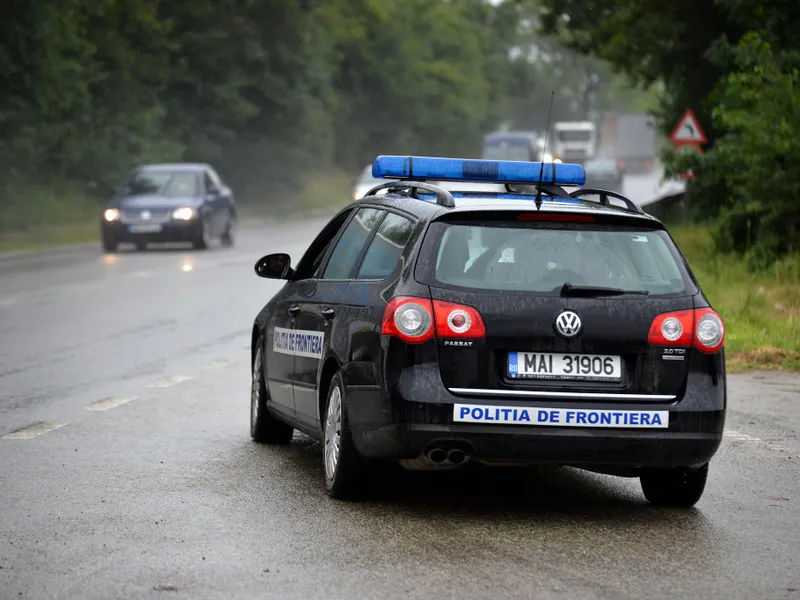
[(135, 217)]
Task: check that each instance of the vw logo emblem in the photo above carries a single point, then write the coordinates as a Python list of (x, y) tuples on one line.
[(568, 324), (145, 214)]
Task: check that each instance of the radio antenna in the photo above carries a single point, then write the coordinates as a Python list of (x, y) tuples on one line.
[(544, 153)]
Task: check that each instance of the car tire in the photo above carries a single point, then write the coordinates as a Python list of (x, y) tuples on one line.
[(109, 244), (342, 465), (203, 241), (674, 487), (265, 428), (227, 237)]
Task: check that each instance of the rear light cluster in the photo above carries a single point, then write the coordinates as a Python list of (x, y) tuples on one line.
[(417, 320), (700, 327)]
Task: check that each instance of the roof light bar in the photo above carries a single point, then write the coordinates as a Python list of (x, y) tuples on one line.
[(461, 169)]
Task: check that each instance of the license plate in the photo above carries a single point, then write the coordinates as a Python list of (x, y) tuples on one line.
[(545, 365), (561, 417), (148, 228)]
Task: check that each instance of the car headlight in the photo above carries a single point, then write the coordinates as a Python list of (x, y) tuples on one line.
[(111, 214), (183, 214)]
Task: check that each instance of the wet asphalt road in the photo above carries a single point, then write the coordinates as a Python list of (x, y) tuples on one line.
[(163, 495)]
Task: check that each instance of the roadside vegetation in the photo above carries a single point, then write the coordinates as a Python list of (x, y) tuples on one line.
[(759, 305)]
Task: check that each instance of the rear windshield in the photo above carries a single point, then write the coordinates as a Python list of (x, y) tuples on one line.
[(540, 258)]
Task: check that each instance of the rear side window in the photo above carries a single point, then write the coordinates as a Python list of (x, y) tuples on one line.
[(349, 246), (540, 259), (386, 247)]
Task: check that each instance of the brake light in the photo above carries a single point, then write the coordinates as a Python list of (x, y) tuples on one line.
[(551, 217), (410, 319), (456, 320), (701, 328), (416, 320)]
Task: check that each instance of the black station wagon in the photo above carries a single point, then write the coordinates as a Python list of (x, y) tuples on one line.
[(435, 327)]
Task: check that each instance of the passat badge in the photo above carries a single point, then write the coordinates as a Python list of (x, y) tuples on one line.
[(145, 214), (568, 324)]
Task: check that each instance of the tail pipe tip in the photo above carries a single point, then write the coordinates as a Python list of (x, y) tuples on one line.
[(437, 455), (456, 456)]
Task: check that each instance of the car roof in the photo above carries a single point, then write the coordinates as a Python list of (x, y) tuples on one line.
[(426, 208)]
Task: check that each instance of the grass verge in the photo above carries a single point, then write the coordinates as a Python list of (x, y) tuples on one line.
[(761, 311), (46, 236)]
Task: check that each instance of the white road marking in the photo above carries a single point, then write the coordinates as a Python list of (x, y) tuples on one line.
[(5, 302), (112, 402), (169, 381), (219, 364), (746, 437), (34, 430), (142, 274)]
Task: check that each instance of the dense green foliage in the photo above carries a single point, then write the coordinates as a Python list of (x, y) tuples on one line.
[(264, 88), (734, 62)]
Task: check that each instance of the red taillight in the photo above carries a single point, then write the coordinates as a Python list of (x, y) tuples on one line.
[(551, 217), (413, 320), (456, 320), (410, 319), (701, 328)]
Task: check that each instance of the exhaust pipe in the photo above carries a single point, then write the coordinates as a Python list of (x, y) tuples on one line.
[(437, 455), (456, 456)]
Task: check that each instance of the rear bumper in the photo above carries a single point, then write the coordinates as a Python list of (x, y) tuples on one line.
[(171, 231), (610, 449), (413, 419)]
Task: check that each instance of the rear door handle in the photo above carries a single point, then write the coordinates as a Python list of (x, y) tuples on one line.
[(294, 309), (328, 313)]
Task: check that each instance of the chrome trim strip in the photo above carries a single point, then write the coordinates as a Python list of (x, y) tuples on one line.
[(546, 394)]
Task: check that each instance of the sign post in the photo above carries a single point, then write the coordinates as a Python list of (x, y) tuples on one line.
[(688, 136)]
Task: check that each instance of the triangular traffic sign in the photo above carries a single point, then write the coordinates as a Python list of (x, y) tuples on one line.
[(688, 130)]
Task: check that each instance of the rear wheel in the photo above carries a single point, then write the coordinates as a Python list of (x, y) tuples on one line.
[(227, 235), (264, 427), (674, 487), (342, 464)]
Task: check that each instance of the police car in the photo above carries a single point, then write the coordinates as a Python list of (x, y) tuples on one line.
[(533, 325)]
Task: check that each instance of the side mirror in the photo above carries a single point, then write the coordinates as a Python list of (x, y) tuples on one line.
[(274, 266), (213, 191)]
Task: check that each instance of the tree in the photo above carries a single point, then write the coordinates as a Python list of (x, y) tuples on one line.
[(740, 83), (756, 163)]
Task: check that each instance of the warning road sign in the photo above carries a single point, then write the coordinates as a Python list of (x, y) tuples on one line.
[(688, 131)]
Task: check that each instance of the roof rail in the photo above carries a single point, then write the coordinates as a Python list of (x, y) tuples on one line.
[(443, 197), (631, 206)]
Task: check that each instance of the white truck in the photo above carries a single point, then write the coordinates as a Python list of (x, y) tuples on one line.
[(631, 139), (573, 141)]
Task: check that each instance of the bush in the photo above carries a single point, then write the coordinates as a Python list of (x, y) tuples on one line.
[(750, 180)]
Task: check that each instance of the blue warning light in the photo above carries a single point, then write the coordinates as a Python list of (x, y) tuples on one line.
[(462, 169)]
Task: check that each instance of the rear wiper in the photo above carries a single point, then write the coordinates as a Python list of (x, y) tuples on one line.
[(590, 291)]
